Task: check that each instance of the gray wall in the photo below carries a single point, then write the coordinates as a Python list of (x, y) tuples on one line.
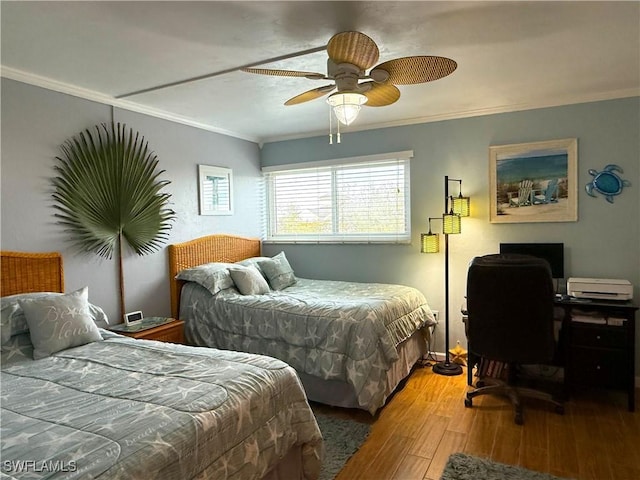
[(36, 121), (604, 242)]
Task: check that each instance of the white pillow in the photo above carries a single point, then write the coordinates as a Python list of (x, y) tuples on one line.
[(12, 321), (247, 262), (249, 280), (278, 271), (212, 276), (59, 322)]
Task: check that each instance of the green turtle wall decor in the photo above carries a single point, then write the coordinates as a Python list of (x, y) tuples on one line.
[(607, 182)]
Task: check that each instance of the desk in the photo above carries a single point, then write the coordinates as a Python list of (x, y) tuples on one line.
[(595, 354), (599, 353)]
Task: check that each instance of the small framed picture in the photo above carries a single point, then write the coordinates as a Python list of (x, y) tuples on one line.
[(133, 317), (216, 190)]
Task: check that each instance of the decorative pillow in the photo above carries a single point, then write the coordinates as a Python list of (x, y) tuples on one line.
[(98, 315), (12, 321), (212, 276), (249, 280), (59, 322), (278, 271), (253, 261)]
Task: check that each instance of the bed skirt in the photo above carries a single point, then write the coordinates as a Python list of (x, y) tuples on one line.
[(341, 394)]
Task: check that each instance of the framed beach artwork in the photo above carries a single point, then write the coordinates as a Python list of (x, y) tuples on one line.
[(216, 190), (534, 182)]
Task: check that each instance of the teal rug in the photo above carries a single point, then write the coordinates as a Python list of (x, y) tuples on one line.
[(461, 466), (342, 438)]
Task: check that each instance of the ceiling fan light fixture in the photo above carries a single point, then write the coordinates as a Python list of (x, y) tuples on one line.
[(346, 106)]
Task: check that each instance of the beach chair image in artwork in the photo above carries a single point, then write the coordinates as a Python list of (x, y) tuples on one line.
[(523, 196), (539, 176), (546, 195)]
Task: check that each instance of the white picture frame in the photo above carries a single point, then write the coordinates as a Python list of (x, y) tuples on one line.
[(215, 185), (534, 182)]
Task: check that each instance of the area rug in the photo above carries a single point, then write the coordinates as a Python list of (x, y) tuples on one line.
[(342, 438), (461, 466)]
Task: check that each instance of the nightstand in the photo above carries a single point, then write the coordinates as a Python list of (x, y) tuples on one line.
[(154, 328)]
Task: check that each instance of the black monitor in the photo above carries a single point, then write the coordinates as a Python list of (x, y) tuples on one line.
[(551, 252)]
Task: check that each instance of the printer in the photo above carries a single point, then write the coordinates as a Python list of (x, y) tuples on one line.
[(600, 288)]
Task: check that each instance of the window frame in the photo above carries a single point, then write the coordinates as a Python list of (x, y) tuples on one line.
[(270, 236)]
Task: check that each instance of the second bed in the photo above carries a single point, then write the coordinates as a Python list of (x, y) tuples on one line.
[(351, 343)]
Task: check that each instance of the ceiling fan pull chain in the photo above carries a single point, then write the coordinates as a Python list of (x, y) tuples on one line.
[(338, 132), (330, 128)]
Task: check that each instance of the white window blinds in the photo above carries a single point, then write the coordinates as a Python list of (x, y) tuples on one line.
[(364, 200)]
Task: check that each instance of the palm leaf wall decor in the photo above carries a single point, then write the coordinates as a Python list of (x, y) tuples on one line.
[(107, 189)]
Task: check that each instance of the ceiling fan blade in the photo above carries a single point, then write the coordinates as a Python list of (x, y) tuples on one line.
[(353, 47), (310, 95), (381, 94), (420, 69), (285, 73)]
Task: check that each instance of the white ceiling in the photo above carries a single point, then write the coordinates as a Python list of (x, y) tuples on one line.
[(510, 55)]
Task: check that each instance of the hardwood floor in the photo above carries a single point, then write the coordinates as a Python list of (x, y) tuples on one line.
[(597, 438)]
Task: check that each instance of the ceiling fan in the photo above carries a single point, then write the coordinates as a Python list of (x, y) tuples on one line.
[(351, 54)]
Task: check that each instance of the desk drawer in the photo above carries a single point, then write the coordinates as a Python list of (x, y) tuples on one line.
[(599, 367), (598, 336)]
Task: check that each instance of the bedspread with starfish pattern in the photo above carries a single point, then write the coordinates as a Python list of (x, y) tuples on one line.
[(333, 330), (125, 408)]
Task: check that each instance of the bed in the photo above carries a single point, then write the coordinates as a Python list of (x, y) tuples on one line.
[(117, 407), (351, 343)]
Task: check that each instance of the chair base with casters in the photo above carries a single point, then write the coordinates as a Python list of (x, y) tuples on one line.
[(511, 389)]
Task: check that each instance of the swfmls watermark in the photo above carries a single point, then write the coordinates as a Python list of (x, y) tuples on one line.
[(51, 466)]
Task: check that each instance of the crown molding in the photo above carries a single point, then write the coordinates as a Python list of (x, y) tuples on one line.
[(92, 95), (516, 107), (86, 94)]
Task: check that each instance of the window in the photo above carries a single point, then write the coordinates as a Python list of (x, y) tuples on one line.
[(363, 200)]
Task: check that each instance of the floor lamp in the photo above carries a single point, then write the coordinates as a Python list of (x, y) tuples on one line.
[(451, 225)]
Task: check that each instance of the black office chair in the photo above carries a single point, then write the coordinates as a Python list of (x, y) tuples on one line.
[(510, 323)]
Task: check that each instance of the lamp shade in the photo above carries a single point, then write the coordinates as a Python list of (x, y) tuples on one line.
[(461, 205), (451, 223), (346, 106), (430, 243)]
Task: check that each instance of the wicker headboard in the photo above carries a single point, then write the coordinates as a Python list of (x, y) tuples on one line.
[(30, 272), (212, 248)]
